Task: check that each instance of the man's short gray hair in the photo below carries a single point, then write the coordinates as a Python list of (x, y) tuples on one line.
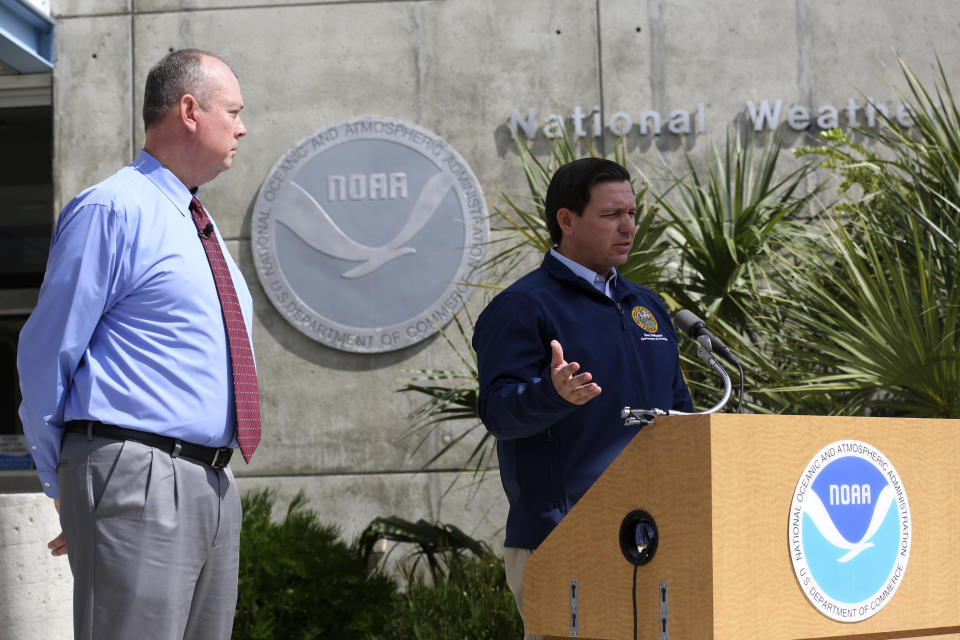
[(177, 73)]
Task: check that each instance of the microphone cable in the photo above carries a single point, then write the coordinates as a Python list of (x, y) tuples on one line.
[(740, 395)]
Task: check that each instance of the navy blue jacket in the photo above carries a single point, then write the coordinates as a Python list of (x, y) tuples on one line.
[(552, 451)]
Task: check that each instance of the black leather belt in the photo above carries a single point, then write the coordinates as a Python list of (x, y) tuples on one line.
[(216, 457)]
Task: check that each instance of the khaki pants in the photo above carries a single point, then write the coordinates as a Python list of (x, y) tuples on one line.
[(514, 560)]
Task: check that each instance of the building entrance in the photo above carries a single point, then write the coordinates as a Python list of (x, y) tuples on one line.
[(26, 222)]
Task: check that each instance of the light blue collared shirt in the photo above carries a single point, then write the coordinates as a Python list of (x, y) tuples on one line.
[(128, 329), (603, 284)]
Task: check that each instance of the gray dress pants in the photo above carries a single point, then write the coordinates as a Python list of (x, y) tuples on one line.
[(153, 542)]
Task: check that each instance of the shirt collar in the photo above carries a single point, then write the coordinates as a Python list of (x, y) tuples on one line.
[(164, 179), (599, 282)]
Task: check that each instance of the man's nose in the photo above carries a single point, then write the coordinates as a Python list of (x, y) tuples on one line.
[(240, 130)]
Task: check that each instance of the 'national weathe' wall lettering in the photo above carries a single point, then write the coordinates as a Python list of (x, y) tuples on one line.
[(849, 494), (360, 186), (767, 115), (764, 114)]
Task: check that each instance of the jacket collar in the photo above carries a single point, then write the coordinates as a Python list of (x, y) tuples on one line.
[(621, 286), (586, 273)]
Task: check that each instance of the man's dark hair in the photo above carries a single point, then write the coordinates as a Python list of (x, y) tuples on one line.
[(570, 188), (177, 73)]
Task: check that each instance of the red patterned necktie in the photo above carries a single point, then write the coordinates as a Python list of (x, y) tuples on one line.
[(246, 394)]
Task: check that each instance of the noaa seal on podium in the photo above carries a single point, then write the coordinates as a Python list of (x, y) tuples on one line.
[(849, 531)]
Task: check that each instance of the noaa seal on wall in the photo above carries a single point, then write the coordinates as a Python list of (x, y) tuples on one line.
[(367, 234)]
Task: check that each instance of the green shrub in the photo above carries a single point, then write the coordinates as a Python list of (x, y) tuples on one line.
[(299, 581), (460, 591), (472, 601), (879, 297)]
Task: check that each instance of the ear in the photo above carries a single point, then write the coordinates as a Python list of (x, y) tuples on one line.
[(565, 220), (188, 109)]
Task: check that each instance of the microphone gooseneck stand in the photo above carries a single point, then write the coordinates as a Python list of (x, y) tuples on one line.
[(644, 417)]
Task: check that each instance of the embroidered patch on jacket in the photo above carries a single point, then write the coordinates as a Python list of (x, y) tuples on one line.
[(644, 319)]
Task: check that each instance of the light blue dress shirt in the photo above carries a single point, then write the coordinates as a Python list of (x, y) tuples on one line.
[(128, 329), (603, 284)]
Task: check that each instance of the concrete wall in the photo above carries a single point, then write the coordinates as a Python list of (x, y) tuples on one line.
[(35, 587), (333, 425)]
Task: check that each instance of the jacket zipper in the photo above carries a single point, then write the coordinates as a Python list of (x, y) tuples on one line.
[(558, 501), (627, 347)]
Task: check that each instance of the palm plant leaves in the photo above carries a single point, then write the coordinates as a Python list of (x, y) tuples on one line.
[(724, 219), (884, 289), (885, 341), (432, 541), (725, 222), (451, 397)]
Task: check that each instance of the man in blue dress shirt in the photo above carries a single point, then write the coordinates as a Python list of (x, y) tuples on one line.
[(126, 378), (562, 350)]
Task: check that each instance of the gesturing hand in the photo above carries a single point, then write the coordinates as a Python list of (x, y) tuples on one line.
[(575, 389)]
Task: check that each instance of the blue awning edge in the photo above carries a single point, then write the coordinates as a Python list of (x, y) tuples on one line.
[(26, 37)]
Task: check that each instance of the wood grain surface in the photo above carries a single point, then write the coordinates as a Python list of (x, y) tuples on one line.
[(720, 489)]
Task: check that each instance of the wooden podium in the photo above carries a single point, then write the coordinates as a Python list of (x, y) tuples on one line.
[(720, 489)]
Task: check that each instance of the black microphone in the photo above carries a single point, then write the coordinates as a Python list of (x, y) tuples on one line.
[(207, 230), (694, 327)]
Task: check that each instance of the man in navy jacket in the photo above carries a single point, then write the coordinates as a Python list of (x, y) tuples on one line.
[(562, 350)]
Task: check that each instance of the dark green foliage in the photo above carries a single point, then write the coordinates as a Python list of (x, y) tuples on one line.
[(299, 581), (725, 218), (437, 543), (881, 297), (727, 221), (465, 593), (472, 601)]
